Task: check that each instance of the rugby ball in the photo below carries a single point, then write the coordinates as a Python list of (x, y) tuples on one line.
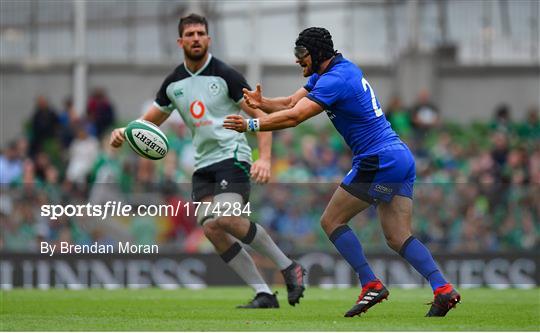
[(146, 139)]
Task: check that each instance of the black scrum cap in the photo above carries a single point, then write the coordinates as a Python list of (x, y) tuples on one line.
[(318, 42)]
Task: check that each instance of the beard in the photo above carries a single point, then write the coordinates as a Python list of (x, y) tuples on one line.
[(195, 56), (307, 71)]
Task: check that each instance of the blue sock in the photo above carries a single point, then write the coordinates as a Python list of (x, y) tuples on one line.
[(420, 258), (348, 245)]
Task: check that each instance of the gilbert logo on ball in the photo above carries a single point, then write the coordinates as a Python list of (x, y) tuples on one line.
[(146, 139)]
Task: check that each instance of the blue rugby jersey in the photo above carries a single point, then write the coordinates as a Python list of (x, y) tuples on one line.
[(351, 104)]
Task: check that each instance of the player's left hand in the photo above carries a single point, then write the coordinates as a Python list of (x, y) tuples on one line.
[(260, 171), (235, 122)]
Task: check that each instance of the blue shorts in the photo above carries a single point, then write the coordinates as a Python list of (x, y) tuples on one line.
[(381, 176)]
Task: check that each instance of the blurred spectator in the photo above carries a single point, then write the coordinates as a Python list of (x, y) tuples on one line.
[(67, 118), (43, 125), (297, 228), (499, 154), (100, 111), (182, 224), (399, 117), (143, 229), (42, 161), (6, 220), (11, 164), (83, 152), (502, 119), (530, 128), (106, 175), (327, 168), (534, 166), (425, 114), (516, 169)]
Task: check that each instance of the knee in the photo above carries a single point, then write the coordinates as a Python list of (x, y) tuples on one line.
[(212, 230), (395, 241), (328, 224), (225, 222), (393, 244)]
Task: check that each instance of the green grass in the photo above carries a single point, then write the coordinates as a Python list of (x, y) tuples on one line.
[(213, 309)]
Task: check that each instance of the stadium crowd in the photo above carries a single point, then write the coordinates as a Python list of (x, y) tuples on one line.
[(477, 189)]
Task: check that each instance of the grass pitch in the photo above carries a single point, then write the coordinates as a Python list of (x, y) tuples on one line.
[(213, 309)]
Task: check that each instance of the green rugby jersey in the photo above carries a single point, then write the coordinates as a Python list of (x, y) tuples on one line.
[(203, 99)]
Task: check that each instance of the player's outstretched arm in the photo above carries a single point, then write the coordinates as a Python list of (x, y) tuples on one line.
[(260, 169), (256, 100), (302, 111), (153, 115), (252, 112)]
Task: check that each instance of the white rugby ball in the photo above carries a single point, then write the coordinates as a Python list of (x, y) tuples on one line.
[(146, 139)]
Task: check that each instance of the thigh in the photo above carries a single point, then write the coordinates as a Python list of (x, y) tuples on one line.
[(221, 240), (230, 206), (342, 207), (396, 217)]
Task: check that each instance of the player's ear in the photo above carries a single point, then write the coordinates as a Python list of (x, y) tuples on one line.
[(179, 41)]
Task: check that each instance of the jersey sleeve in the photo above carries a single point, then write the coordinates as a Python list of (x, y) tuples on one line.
[(311, 82), (235, 83), (327, 90), (162, 101)]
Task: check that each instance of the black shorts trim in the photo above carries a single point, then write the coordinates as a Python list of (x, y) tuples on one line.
[(361, 183), (358, 194)]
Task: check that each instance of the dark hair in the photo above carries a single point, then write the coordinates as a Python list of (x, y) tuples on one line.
[(502, 111), (191, 19)]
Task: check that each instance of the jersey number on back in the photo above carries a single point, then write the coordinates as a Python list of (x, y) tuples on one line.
[(376, 108)]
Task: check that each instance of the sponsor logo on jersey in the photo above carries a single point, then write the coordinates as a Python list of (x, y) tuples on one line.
[(383, 189), (203, 123), (214, 88), (178, 92), (197, 109)]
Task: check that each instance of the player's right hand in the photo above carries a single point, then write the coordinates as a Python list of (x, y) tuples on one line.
[(253, 98), (117, 137)]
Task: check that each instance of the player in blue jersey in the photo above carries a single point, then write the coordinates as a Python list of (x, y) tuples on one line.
[(383, 168)]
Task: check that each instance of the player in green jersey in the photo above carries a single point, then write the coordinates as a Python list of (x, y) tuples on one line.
[(204, 90)]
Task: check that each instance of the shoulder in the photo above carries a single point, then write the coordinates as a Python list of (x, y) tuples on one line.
[(221, 69), (162, 99), (332, 78), (233, 79), (347, 68), (179, 73)]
